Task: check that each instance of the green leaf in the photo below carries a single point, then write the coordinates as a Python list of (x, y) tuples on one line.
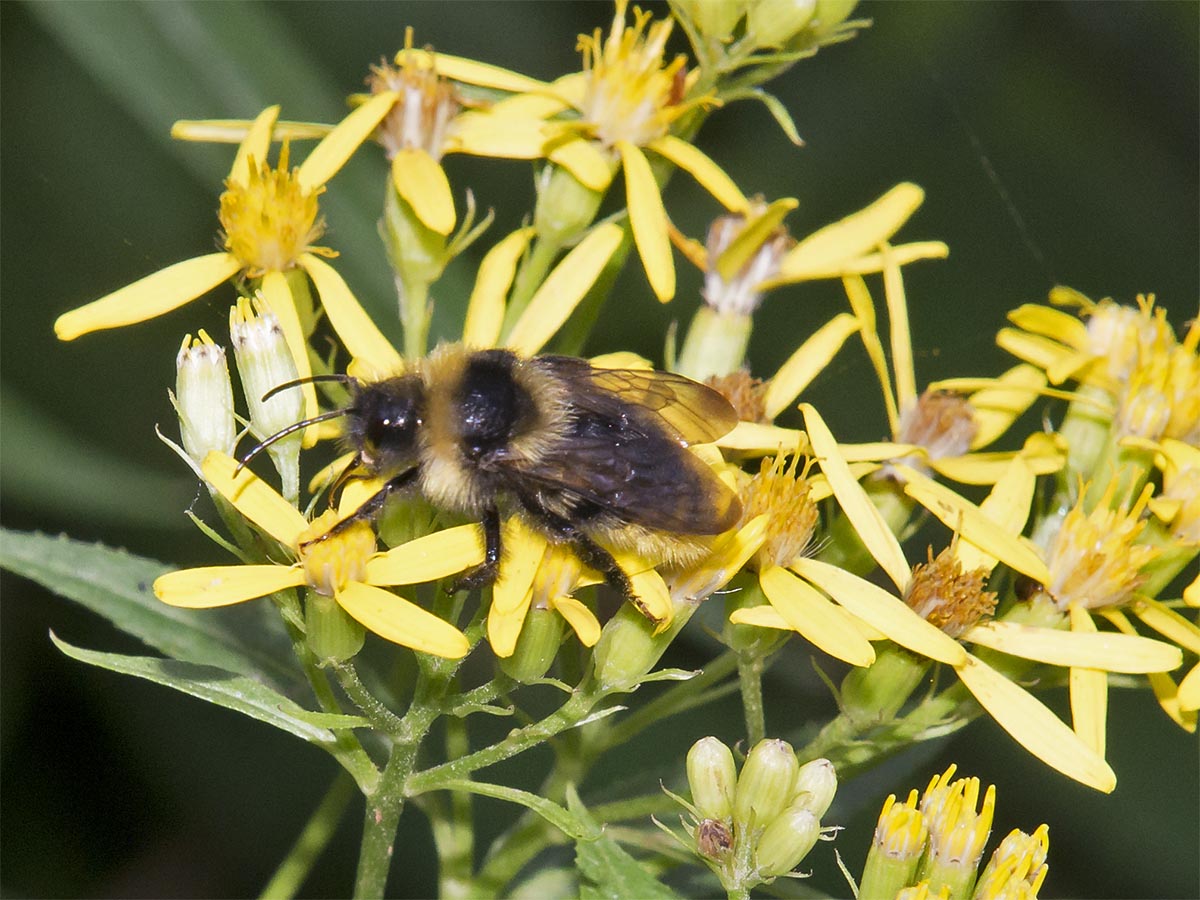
[(223, 688), (116, 585), (605, 869), (564, 821)]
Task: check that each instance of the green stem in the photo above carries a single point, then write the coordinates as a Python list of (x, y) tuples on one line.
[(347, 750), (380, 819), (290, 875), (750, 672), (382, 718), (414, 308), (455, 838)]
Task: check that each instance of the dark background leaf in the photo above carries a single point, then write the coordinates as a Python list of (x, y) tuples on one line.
[(1057, 142)]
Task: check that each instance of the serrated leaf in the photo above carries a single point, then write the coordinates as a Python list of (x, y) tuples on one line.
[(218, 686), (606, 870), (116, 585)]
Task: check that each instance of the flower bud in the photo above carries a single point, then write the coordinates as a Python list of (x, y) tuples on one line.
[(772, 23), (538, 644), (767, 783), (714, 19), (786, 841), (815, 786), (630, 646), (204, 398), (712, 777)]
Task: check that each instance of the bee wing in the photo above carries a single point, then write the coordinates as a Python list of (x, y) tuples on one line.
[(691, 412)]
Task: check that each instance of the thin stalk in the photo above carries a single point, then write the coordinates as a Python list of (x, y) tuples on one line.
[(750, 672), (456, 838), (311, 843)]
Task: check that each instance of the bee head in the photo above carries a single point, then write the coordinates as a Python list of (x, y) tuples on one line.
[(384, 420)]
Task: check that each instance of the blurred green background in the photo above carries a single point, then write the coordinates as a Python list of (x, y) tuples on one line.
[(1057, 143)]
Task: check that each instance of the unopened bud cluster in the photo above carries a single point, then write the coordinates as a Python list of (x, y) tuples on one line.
[(755, 826)]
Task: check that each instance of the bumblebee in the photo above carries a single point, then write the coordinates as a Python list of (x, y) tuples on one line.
[(591, 457)]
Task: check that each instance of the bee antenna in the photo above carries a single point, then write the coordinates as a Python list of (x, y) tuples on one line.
[(308, 379), (291, 429)]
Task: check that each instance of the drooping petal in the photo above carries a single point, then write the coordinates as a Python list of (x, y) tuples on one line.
[(497, 136), (648, 219), (504, 626), (428, 558), (1170, 624), (1189, 690), (485, 310), (254, 498), (358, 333), (1044, 353), (523, 553), (1035, 727), (653, 597), (866, 519), (1191, 593), (898, 331), (1166, 691), (254, 145), (853, 235), (1097, 650), (562, 290), (996, 408), (279, 298), (878, 451), (165, 290), (755, 232), (710, 176), (1052, 323), (864, 310), (347, 136), (809, 360), (807, 611), (234, 131), (402, 621), (468, 71), (213, 586), (868, 263), (1007, 506), (962, 516), (1089, 689), (583, 159), (581, 619), (881, 610), (422, 182)]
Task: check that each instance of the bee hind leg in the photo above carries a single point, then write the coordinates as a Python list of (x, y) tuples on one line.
[(484, 574), (591, 554)]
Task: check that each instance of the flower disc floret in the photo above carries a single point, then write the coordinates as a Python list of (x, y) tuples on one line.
[(331, 563), (425, 105)]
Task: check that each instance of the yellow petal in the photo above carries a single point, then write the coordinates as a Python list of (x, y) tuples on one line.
[(1052, 323), (504, 627), (254, 145), (496, 135), (278, 296), (807, 611), (881, 610), (996, 408), (878, 451), (485, 310), (1166, 692), (468, 71), (339, 145), (819, 484), (620, 359), (653, 597), (358, 333), (1094, 650), (165, 290), (585, 161), (795, 375), (1007, 506), (328, 474), (1170, 624), (1191, 593), (581, 619), (429, 558), (254, 498), (422, 182), (523, 551), (1089, 689), (765, 616), (868, 263), (401, 621), (764, 438), (648, 219), (864, 310), (898, 331), (1039, 351), (563, 288), (866, 519), (214, 586), (855, 234), (528, 106), (1034, 727), (711, 176), (964, 517), (988, 468), (1189, 690), (356, 492), (729, 553), (756, 230), (234, 131)]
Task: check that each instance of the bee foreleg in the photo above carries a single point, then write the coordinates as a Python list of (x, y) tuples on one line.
[(370, 507), (485, 573)]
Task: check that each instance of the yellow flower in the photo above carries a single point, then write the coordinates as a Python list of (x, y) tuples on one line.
[(344, 566), (270, 220)]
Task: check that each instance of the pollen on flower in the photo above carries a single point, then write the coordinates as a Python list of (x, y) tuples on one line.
[(1093, 560), (270, 221), (946, 597), (740, 292), (427, 104), (330, 563), (957, 830), (901, 831), (784, 495), (630, 94), (942, 422), (1017, 867), (746, 394), (1122, 336)]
